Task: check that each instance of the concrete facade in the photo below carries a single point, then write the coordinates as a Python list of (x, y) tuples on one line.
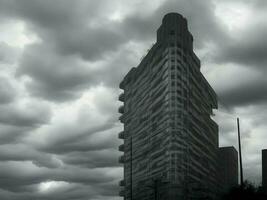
[(228, 169), (170, 144), (264, 170)]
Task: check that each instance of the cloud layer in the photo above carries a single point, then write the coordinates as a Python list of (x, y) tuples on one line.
[(60, 65)]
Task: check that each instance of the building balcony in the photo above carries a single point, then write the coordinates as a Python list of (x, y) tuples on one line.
[(121, 85), (121, 109), (122, 118), (122, 182), (121, 147), (122, 193), (121, 97), (122, 159), (121, 135)]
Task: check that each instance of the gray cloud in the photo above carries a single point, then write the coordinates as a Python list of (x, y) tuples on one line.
[(250, 93), (249, 49), (68, 35), (17, 174), (60, 78), (7, 91), (7, 53), (79, 48), (31, 114), (93, 159), (89, 139), (12, 134), (18, 152), (69, 192), (69, 31), (52, 76)]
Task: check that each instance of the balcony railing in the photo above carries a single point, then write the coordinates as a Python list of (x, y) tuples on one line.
[(121, 159), (122, 182), (121, 135), (122, 193), (121, 97), (122, 118), (121, 86), (121, 109), (121, 147)]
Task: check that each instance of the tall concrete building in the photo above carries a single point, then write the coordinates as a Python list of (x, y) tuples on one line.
[(228, 169), (170, 142), (264, 170)]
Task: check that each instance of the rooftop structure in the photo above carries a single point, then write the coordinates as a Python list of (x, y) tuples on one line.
[(264, 170)]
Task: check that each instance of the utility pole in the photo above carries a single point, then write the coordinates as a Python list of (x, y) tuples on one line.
[(240, 154), (131, 171)]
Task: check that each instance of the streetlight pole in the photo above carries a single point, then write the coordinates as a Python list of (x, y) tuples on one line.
[(131, 152), (240, 154)]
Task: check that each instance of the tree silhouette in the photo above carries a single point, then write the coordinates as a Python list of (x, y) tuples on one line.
[(247, 191)]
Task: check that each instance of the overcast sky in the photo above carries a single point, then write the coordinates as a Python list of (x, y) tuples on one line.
[(61, 62)]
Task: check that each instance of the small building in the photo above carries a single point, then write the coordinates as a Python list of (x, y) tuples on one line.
[(264, 170), (228, 168)]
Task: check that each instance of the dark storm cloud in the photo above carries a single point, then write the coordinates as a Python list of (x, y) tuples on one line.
[(250, 93), (18, 181), (79, 32), (17, 174), (59, 78), (88, 157), (18, 152), (60, 66), (90, 44), (12, 134), (79, 47), (29, 115), (53, 76), (93, 159), (68, 192), (18, 119), (87, 139), (70, 31), (248, 49)]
